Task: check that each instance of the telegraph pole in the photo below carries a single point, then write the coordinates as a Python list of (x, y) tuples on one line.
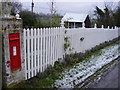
[(52, 3), (32, 6), (52, 10)]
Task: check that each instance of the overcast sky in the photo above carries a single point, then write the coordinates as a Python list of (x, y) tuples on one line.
[(65, 6)]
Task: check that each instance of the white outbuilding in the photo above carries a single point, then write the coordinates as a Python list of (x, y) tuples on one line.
[(76, 20)]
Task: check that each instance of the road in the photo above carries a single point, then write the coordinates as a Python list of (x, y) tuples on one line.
[(110, 79)]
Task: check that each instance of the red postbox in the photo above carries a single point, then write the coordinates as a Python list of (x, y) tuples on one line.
[(15, 58)]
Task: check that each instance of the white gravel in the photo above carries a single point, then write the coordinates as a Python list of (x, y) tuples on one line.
[(86, 68)]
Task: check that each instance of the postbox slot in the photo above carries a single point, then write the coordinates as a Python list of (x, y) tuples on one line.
[(15, 36), (11, 39)]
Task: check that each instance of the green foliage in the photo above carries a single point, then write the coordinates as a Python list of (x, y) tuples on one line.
[(107, 16), (39, 20), (66, 39), (99, 12), (65, 31), (117, 17), (68, 59), (104, 17), (29, 18), (56, 21), (66, 45), (58, 66)]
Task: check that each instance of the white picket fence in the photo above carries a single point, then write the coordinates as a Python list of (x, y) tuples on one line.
[(42, 47)]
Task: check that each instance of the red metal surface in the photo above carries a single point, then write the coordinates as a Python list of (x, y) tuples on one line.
[(15, 59)]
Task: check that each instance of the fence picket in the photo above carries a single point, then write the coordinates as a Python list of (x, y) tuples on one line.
[(44, 49), (31, 44), (49, 58), (24, 33), (28, 50), (51, 49), (46, 42), (35, 51), (41, 51), (53, 45), (38, 50)]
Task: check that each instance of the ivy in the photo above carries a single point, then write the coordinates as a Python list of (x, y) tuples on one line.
[(66, 39), (66, 45), (65, 31)]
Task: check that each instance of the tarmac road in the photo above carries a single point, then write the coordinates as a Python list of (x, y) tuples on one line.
[(110, 80)]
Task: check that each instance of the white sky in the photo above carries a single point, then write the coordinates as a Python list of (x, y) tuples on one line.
[(64, 6), (70, 0)]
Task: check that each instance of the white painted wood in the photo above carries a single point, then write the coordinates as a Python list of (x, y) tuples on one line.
[(41, 49), (38, 50), (49, 48), (35, 51), (28, 50), (44, 49), (51, 45), (55, 44), (24, 35), (32, 59)]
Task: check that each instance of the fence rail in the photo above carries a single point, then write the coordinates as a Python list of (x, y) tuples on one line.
[(42, 47)]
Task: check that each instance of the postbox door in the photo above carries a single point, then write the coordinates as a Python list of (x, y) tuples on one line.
[(15, 59)]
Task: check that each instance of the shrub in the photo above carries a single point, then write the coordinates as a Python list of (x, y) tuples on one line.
[(58, 66), (50, 70), (68, 59), (87, 52), (41, 75), (80, 55)]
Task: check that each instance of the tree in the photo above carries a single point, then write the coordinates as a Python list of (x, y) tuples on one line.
[(99, 16), (104, 17), (16, 8), (116, 15), (29, 18), (10, 7)]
